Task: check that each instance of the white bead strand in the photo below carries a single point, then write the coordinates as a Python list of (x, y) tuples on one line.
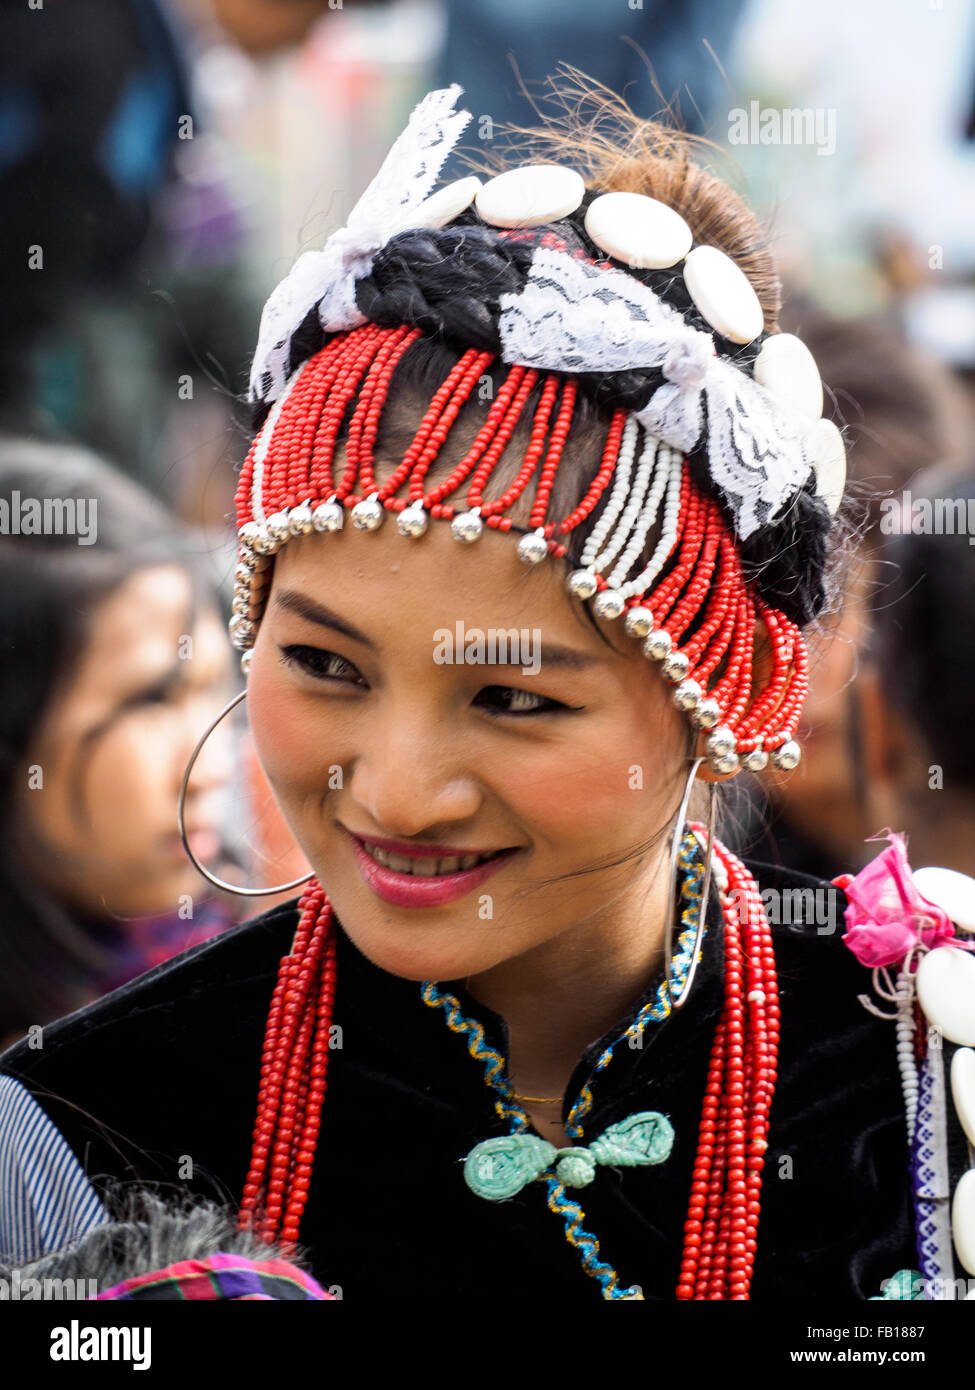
[(633, 510), (668, 535), (648, 514), (618, 497)]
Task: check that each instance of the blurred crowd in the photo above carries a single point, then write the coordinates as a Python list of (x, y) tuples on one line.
[(162, 162)]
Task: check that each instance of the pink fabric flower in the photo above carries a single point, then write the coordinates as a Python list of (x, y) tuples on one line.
[(885, 912)]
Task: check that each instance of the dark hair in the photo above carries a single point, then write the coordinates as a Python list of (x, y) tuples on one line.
[(925, 627), (50, 586)]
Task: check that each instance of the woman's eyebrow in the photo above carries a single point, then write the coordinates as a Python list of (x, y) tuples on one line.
[(314, 612), (551, 653)]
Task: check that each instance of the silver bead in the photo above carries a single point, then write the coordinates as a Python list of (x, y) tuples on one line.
[(727, 762), (412, 520), (687, 696), (279, 526), (722, 741), (707, 713), (263, 544), (658, 645), (245, 660), (247, 534), (242, 631), (787, 757), (532, 548), (755, 761), (581, 583), (241, 601), (675, 667), (638, 622), (467, 527), (301, 523), (609, 603), (328, 516), (243, 574), (368, 515)]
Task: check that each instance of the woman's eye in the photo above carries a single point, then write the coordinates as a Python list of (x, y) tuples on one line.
[(505, 699), (316, 662)]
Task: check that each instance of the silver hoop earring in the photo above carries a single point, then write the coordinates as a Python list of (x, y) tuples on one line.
[(677, 1001), (181, 803)]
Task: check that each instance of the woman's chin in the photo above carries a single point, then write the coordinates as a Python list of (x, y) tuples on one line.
[(399, 953)]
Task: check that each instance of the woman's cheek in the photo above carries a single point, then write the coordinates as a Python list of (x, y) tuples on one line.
[(581, 793), (290, 733)]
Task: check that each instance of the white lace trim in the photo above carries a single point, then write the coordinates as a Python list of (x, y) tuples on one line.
[(575, 317), (328, 277)]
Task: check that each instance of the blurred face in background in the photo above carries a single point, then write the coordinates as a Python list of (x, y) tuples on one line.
[(101, 780)]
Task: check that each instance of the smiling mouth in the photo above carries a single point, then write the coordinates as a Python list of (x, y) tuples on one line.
[(428, 867)]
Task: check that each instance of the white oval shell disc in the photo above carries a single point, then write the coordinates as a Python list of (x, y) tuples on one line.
[(530, 195), (946, 991), (722, 292), (963, 1089), (643, 232), (826, 451), (787, 369), (441, 207), (953, 892), (963, 1219)]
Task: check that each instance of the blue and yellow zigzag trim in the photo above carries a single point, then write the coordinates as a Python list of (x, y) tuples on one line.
[(690, 862)]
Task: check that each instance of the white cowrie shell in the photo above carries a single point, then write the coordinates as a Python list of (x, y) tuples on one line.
[(953, 892), (530, 195), (640, 231), (824, 447), (788, 371), (442, 206), (963, 1089), (946, 990), (723, 294), (963, 1219)]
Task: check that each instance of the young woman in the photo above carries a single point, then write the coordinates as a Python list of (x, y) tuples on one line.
[(535, 515), (112, 658)]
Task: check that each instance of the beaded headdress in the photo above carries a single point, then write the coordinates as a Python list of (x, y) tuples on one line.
[(716, 446)]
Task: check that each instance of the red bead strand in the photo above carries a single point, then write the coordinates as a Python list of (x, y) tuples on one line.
[(495, 418), (438, 419), (556, 445), (598, 485)]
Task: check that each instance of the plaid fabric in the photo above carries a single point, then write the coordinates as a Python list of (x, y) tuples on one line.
[(221, 1276)]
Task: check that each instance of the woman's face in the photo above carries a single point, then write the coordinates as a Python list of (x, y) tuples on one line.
[(366, 728), (99, 807)]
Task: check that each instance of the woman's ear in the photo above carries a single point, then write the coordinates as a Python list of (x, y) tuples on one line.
[(762, 666)]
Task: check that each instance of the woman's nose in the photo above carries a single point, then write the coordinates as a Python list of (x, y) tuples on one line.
[(409, 777)]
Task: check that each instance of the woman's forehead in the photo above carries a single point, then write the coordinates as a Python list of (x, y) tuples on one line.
[(385, 581)]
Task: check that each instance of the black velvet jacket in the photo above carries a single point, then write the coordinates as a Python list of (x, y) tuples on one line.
[(166, 1069)]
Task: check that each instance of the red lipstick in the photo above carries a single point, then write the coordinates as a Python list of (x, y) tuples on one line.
[(412, 890)]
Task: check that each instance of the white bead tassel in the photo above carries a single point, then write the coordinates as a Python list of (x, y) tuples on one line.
[(658, 456), (634, 514), (905, 1048), (621, 487), (668, 535)]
